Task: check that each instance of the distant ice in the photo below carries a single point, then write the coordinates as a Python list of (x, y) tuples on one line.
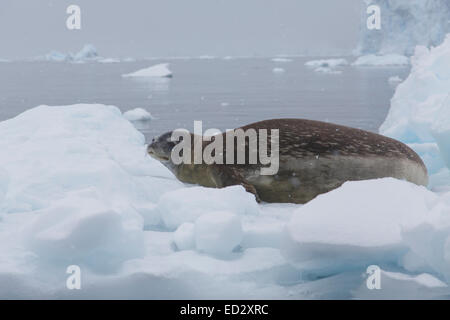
[(278, 70), (394, 81), (160, 70), (328, 66), (327, 70), (281, 60), (137, 114), (326, 63), (382, 60), (87, 53), (109, 60), (206, 57)]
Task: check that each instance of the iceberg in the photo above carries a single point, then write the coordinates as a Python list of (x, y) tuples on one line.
[(404, 25), (326, 63), (420, 109), (160, 70), (87, 53), (382, 60)]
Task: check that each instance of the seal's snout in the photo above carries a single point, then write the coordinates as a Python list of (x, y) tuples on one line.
[(157, 149)]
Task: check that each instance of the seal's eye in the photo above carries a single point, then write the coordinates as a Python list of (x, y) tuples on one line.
[(153, 140)]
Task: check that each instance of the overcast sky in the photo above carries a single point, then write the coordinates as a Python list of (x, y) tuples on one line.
[(146, 28)]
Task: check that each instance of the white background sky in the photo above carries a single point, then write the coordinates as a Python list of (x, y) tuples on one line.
[(144, 28)]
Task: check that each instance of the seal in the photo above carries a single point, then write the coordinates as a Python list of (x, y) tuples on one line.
[(314, 158)]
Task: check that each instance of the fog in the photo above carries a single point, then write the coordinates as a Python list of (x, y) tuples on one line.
[(136, 28)]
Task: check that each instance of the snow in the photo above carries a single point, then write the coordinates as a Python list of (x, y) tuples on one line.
[(382, 60), (218, 233), (187, 204), (138, 114), (160, 70), (420, 109), (404, 25)]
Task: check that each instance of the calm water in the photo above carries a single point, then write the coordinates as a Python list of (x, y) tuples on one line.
[(222, 93)]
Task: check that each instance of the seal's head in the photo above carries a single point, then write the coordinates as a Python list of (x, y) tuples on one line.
[(161, 147)]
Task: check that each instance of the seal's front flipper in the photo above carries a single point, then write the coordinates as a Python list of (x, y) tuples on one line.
[(225, 176), (250, 188)]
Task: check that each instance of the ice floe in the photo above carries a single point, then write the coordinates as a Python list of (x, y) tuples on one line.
[(138, 114), (382, 60), (160, 70)]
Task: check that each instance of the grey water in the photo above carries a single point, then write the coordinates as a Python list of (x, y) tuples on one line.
[(224, 94)]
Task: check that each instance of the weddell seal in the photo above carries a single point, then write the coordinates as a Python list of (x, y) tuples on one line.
[(314, 157)]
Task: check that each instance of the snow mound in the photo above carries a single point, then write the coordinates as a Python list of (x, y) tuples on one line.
[(184, 236), (187, 204), (218, 233), (420, 108), (382, 60), (404, 25), (160, 70), (138, 114), (85, 180), (338, 231)]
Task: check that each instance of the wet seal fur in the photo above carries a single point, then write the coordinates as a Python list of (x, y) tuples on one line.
[(314, 158)]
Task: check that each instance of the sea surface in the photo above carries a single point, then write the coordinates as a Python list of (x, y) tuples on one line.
[(223, 93)]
